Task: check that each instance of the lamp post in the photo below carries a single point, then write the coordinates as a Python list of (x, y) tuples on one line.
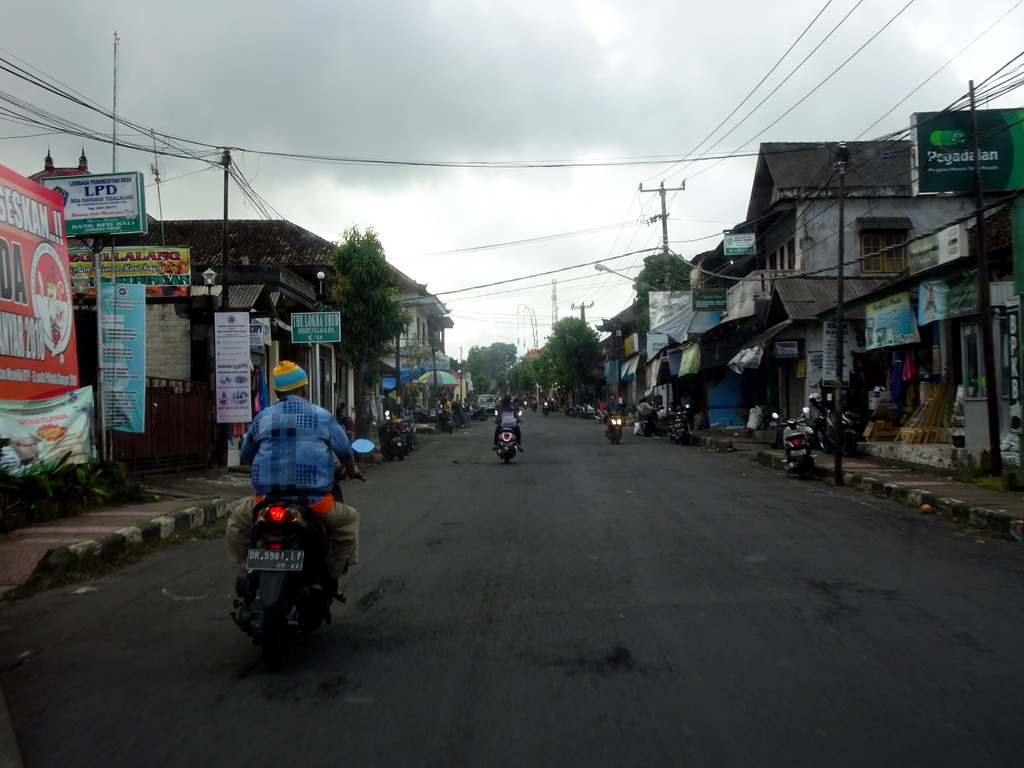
[(842, 158)]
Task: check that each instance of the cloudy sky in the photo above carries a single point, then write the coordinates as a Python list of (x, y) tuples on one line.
[(484, 140)]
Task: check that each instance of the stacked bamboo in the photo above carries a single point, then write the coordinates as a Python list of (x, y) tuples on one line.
[(926, 425)]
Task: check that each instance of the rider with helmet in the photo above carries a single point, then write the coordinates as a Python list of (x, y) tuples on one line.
[(507, 417), (292, 446)]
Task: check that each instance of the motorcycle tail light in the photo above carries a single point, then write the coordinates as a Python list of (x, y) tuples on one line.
[(275, 545), (278, 514), (797, 442)]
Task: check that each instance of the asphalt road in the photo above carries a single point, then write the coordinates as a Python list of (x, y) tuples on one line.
[(587, 605)]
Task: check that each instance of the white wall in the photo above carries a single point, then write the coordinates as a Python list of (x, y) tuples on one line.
[(168, 343)]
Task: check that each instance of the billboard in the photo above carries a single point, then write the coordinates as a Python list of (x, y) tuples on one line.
[(944, 147), (38, 350), (108, 204), (165, 271)]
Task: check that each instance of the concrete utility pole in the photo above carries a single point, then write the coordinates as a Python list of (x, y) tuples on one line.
[(583, 310), (842, 159), (988, 352), (664, 226)]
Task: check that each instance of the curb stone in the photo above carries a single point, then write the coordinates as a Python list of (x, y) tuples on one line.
[(108, 548), (960, 511)]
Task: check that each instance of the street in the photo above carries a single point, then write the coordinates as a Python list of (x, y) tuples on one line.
[(589, 604)]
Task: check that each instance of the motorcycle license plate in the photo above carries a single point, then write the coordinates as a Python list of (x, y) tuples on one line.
[(274, 559), (798, 452)]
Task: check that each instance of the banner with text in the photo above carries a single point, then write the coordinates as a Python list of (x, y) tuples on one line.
[(890, 322), (164, 271), (124, 356), (39, 433), (232, 367), (38, 351)]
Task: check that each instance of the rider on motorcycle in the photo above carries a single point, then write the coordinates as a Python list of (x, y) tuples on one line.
[(292, 445), (507, 418)]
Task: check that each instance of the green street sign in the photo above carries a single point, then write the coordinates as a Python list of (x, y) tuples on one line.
[(710, 300), (314, 327)]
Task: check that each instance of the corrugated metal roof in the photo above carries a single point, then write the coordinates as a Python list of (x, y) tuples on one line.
[(241, 296), (807, 297)]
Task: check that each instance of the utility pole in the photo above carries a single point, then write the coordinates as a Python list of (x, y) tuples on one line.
[(224, 305), (583, 310), (664, 226), (842, 158), (985, 307)]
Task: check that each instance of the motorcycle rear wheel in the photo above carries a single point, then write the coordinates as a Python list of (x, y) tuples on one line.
[(274, 638), (849, 444)]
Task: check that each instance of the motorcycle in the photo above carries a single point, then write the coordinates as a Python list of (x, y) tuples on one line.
[(679, 425), (444, 422), (797, 438), (286, 589), (533, 405), (546, 407), (507, 445), (827, 434), (391, 441), (614, 429), (406, 431)]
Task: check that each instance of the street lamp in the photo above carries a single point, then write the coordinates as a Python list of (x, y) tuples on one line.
[(603, 268), (209, 278)]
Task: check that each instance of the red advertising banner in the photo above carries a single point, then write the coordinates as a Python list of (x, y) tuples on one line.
[(38, 351)]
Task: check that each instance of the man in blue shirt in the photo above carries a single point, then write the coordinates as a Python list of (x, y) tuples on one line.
[(292, 446)]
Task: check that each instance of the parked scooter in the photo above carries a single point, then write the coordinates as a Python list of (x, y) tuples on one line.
[(391, 440), (286, 589), (797, 438), (444, 421), (829, 434), (679, 426), (406, 430), (507, 445)]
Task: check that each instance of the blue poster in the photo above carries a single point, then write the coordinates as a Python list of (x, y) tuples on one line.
[(123, 356)]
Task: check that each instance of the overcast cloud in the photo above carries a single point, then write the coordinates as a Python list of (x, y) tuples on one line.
[(489, 81)]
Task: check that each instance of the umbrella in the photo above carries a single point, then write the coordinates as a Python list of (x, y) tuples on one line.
[(442, 378)]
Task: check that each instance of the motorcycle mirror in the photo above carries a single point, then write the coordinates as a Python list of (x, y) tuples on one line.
[(363, 446)]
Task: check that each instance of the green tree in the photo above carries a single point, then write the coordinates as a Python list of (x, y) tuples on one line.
[(575, 351), (486, 363), (522, 376), (371, 314), (653, 275)]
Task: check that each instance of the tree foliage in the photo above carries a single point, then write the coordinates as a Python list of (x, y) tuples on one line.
[(371, 314), (487, 363), (653, 275), (574, 351)]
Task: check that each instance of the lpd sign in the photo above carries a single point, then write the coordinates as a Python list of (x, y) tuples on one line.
[(314, 327)]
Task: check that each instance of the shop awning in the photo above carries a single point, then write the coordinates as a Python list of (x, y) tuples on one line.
[(629, 368), (752, 352)]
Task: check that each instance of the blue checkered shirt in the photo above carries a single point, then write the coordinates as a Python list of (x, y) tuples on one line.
[(290, 445)]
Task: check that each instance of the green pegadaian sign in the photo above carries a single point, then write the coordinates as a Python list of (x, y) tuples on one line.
[(945, 149)]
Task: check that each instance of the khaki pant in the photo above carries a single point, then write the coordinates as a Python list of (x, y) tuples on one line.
[(342, 524)]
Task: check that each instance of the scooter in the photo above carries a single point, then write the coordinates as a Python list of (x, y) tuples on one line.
[(614, 429), (391, 441), (797, 438), (828, 435), (444, 421), (679, 425), (407, 434), (286, 589), (507, 445), (546, 407)]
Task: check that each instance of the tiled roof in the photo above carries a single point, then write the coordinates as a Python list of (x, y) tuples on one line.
[(252, 242)]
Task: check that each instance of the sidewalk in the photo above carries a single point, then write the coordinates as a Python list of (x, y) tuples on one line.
[(187, 500), (998, 510)]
